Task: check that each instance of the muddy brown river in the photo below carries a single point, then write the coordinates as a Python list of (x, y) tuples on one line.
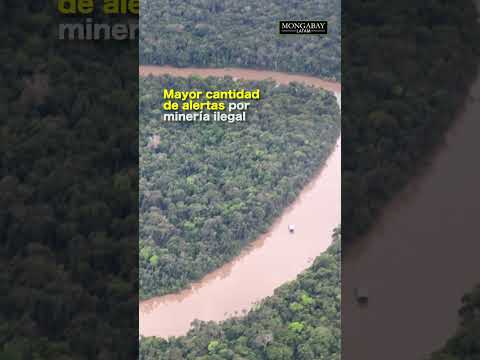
[(246, 74), (416, 263), (275, 258)]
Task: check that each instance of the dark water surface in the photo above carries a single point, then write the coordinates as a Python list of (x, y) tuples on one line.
[(421, 258)]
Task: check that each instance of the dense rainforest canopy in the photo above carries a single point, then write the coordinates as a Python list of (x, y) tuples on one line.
[(301, 321), (407, 70), (221, 33), (410, 95), (208, 189), (412, 64), (465, 344), (68, 192)]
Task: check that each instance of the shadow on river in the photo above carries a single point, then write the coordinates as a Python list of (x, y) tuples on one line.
[(420, 258)]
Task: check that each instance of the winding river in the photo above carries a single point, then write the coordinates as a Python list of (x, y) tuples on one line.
[(420, 258), (417, 262), (274, 258)]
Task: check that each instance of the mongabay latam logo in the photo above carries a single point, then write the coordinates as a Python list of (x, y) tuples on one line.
[(303, 27)]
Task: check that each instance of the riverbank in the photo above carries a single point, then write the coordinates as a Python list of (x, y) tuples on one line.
[(426, 235), (270, 261), (240, 73)]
